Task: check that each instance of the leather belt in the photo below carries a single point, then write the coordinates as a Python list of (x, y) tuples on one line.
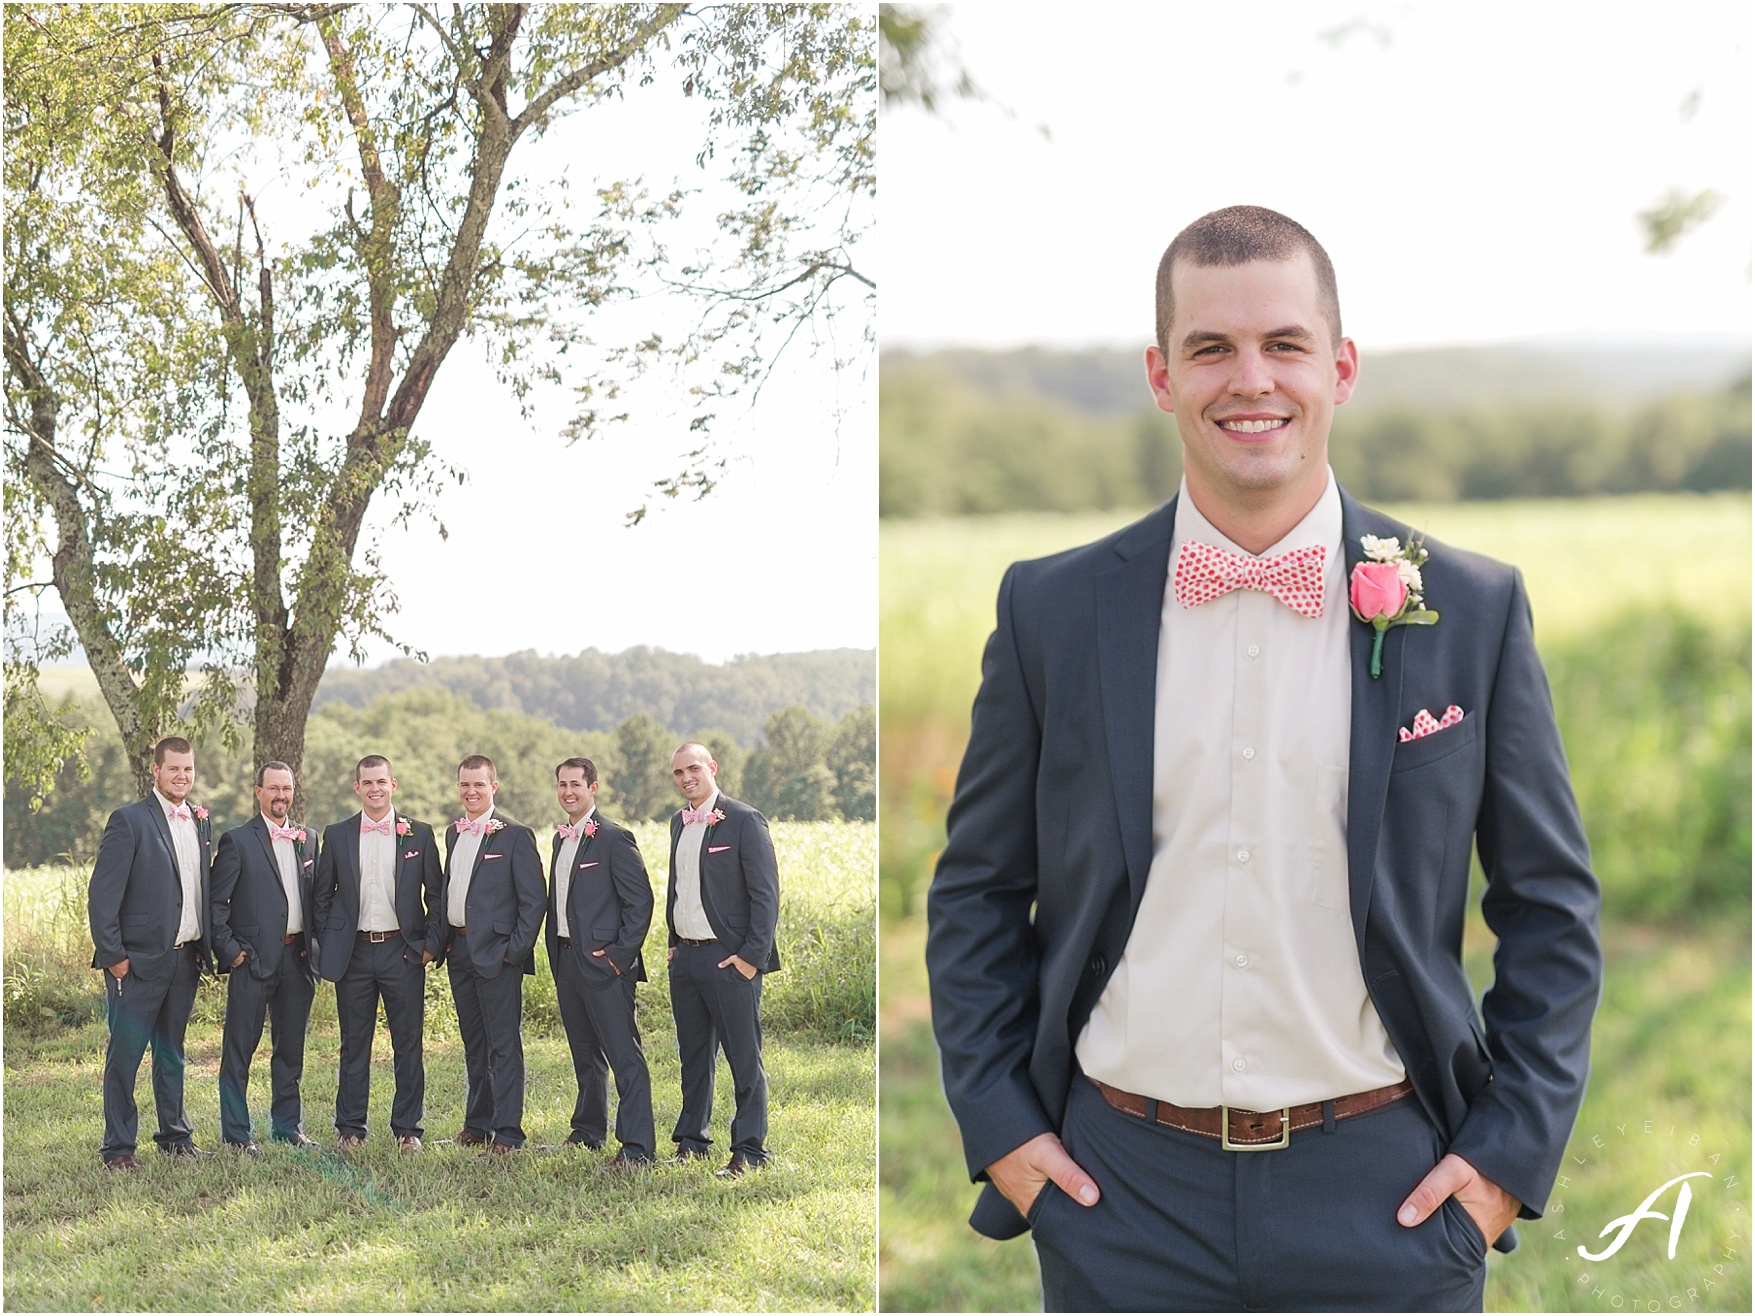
[(291, 937), (690, 941), (564, 941), (379, 938), (460, 929), (1249, 1130)]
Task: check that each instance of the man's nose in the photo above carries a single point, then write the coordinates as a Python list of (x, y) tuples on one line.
[(1251, 377)]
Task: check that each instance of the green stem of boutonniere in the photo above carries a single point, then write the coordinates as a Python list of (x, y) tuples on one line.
[(1381, 627)]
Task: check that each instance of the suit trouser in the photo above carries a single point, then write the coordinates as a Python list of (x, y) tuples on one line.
[(391, 970), (1183, 1225), (717, 1007), (284, 999), (603, 1034), (143, 1013), (490, 1016)]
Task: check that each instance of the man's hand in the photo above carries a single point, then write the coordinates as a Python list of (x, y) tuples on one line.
[(1489, 1206), (742, 965), (1022, 1171), (602, 954), (426, 958), (240, 959), (120, 969)]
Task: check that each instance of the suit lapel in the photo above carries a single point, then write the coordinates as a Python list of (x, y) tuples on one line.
[(261, 829), (350, 854), (1373, 734), (1130, 599), (164, 827), (482, 845)]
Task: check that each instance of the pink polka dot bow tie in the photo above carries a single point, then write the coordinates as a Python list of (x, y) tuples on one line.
[(569, 831), (386, 825), (467, 828), (1204, 572), (180, 811), (283, 833), (696, 816)]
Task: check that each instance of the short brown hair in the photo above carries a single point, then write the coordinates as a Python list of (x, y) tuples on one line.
[(370, 761), (170, 745), (584, 765), (1235, 236), (270, 766), (475, 761)]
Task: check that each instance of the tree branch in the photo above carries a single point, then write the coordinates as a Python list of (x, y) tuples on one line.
[(569, 83)]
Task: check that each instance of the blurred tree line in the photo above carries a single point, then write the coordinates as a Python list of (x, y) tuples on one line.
[(805, 767), (952, 447)]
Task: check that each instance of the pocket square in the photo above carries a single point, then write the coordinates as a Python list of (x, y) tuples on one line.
[(411, 854), (486, 857), (715, 849), (309, 862), (592, 864), (1425, 724)]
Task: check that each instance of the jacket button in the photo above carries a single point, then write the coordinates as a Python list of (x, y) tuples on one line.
[(1098, 965)]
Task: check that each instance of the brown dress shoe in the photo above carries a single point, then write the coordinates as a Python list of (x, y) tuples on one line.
[(498, 1148), (349, 1142), (187, 1149), (125, 1161), (408, 1142), (738, 1164), (470, 1138)]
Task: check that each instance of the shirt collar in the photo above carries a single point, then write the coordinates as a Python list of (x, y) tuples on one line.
[(167, 806)]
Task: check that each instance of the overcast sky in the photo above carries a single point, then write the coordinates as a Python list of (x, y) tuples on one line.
[(1473, 169)]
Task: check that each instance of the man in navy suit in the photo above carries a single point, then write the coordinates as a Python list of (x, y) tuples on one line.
[(492, 906), (722, 905), (1195, 935), (599, 909), (263, 920), (147, 903), (378, 917)]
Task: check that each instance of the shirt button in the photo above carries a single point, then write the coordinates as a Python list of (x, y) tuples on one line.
[(1242, 961), (1253, 650), (1248, 754), (1240, 1064), (1243, 856)]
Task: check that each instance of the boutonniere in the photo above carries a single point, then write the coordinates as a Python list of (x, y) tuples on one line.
[(590, 829), (715, 818), (494, 825), (1388, 591), (402, 827), (299, 838), (201, 813)]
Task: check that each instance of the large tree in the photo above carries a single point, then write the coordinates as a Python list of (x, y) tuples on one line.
[(211, 377)]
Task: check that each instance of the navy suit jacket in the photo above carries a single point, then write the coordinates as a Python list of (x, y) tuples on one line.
[(740, 883), (609, 904), (135, 899), (249, 900), (505, 901), (418, 880), (1053, 810)]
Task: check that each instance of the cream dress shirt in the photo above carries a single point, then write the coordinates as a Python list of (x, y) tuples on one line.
[(186, 844), (690, 915), (287, 860), (564, 875), (1240, 984), (463, 853), (378, 878)]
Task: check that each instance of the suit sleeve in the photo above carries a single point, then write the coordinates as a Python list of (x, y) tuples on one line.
[(432, 882), (633, 890), (1542, 903), (323, 886), (761, 879), (227, 864), (109, 883), (981, 955), (531, 893)]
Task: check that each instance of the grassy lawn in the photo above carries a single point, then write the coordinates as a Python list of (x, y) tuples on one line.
[(551, 1229)]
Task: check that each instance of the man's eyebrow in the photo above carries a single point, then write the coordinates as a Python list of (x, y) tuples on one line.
[(1297, 331), (1200, 337)]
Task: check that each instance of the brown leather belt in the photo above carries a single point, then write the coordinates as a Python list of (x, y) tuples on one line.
[(460, 929), (291, 937), (379, 938), (564, 941), (690, 941), (1249, 1130)]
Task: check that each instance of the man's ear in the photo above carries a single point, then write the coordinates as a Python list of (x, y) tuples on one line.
[(1158, 379), (1346, 370)]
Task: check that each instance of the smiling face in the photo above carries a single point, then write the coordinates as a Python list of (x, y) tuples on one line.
[(576, 796), (175, 776), (375, 786), (694, 773), (274, 795), (476, 787), (1253, 377)]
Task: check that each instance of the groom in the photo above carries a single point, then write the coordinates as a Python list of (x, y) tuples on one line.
[(1195, 935)]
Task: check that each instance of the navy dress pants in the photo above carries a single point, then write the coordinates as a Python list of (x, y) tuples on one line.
[(490, 1017), (283, 999), (597, 1010), (390, 970), (1183, 1225), (142, 1014), (715, 1008)]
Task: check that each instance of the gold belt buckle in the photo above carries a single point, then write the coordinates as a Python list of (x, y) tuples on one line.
[(377, 938), (1225, 1132)]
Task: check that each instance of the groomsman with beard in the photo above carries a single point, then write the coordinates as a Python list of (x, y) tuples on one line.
[(493, 902), (599, 908), (722, 906), (147, 903), (378, 908), (262, 922)]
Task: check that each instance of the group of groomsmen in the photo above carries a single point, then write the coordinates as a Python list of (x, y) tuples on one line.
[(373, 903)]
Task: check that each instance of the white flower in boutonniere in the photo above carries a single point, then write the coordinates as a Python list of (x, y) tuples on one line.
[(494, 825), (1389, 591), (402, 827), (715, 818)]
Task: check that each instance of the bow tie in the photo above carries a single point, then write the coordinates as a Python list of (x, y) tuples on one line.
[(701, 815), (569, 831), (476, 828), (1204, 572), (282, 833), (386, 824), (180, 811)]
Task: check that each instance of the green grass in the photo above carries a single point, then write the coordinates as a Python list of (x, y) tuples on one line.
[(450, 1230)]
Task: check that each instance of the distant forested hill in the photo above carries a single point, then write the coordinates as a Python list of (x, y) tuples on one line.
[(595, 691)]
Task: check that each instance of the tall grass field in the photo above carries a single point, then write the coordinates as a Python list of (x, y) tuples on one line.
[(551, 1230), (1642, 610)]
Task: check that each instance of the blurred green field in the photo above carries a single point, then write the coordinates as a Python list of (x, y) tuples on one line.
[(1642, 610)]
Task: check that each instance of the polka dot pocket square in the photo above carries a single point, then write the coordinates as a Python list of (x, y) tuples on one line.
[(1425, 724)]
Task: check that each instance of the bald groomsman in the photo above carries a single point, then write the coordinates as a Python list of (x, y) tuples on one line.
[(148, 908), (599, 909), (262, 923), (379, 912), (493, 904), (722, 905)]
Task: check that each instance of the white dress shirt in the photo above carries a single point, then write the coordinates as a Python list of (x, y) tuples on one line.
[(564, 874), (690, 915), (186, 845), (288, 861), (378, 878), (463, 852), (1240, 984)]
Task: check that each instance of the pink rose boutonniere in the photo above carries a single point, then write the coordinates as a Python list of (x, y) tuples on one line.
[(1388, 591), (591, 829), (494, 825), (715, 818), (299, 837), (402, 827), (201, 813)]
